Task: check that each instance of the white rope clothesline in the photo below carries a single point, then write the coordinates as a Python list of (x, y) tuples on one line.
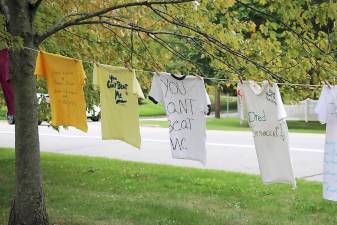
[(205, 78)]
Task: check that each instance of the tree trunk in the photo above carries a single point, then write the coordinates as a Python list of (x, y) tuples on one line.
[(28, 206), (217, 102)]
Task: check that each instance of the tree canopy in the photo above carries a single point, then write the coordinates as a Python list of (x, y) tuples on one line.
[(285, 41)]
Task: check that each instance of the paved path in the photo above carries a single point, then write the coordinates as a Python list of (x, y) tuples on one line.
[(230, 151)]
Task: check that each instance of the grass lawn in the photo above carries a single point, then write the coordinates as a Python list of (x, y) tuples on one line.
[(233, 124), (3, 112), (97, 191), (148, 108)]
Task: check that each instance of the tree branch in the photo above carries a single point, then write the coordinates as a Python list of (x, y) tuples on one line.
[(85, 16), (131, 26), (214, 41), (148, 52), (299, 35), (231, 67), (150, 33), (170, 49), (217, 45), (35, 4)]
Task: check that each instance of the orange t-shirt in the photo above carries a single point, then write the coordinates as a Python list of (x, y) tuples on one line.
[(65, 79)]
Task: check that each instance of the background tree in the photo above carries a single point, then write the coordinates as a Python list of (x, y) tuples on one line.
[(285, 41)]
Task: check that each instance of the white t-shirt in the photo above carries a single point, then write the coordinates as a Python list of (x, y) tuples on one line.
[(186, 101), (326, 110), (266, 115)]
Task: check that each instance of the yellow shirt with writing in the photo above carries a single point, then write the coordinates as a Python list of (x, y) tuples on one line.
[(119, 92), (65, 79)]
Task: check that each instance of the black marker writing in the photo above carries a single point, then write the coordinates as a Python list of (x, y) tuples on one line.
[(181, 106), (270, 96), (274, 132), (174, 87), (177, 143), (256, 117), (114, 83), (179, 125)]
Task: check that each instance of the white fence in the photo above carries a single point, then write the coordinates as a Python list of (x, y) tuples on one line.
[(304, 110)]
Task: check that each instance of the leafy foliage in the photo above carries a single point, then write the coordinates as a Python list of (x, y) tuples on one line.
[(7, 40), (285, 41)]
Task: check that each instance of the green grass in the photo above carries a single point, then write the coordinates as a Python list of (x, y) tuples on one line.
[(147, 108), (233, 124), (3, 112), (96, 191), (306, 127)]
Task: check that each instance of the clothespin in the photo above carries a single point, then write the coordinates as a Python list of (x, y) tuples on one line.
[(156, 72), (128, 66), (199, 77), (327, 83), (240, 78), (270, 83)]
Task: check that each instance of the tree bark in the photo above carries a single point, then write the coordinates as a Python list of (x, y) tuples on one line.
[(28, 205), (217, 102)]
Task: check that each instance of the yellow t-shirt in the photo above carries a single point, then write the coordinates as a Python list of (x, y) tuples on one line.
[(65, 79), (119, 92)]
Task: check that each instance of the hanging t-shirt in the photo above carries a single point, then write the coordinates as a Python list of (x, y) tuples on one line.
[(326, 110), (5, 82), (266, 117), (119, 93), (65, 79), (186, 101)]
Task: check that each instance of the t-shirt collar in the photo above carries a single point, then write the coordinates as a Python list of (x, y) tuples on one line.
[(257, 89), (178, 77)]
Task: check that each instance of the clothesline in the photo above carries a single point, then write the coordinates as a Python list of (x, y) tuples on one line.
[(205, 78), (185, 104)]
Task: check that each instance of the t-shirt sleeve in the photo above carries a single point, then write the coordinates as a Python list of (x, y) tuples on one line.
[(95, 81), (241, 101), (321, 108), (155, 94), (81, 73), (209, 105), (281, 112), (39, 66), (206, 101), (136, 86)]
